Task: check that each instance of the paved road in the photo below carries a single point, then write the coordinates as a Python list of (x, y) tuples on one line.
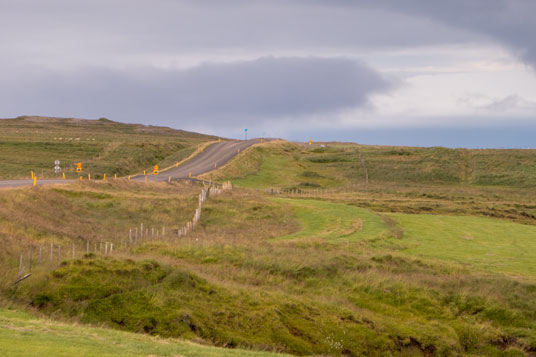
[(219, 153)]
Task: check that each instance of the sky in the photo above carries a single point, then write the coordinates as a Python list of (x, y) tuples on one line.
[(457, 73)]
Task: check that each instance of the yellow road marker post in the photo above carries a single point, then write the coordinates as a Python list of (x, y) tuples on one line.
[(129, 177), (63, 174), (176, 164), (214, 165), (190, 174), (80, 178), (169, 179), (104, 177), (35, 180), (145, 179), (32, 174)]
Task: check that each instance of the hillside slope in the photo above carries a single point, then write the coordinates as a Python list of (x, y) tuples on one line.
[(103, 146)]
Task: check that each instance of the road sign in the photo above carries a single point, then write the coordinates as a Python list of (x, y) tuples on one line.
[(79, 167), (155, 169), (57, 162)]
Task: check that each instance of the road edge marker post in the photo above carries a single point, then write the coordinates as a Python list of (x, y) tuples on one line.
[(104, 177), (145, 179), (35, 180), (63, 174)]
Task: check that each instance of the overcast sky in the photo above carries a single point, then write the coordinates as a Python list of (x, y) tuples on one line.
[(413, 72)]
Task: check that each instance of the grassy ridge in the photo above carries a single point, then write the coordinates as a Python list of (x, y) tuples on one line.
[(103, 146), (294, 166)]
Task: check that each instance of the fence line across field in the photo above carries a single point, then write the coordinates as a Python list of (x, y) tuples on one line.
[(27, 261)]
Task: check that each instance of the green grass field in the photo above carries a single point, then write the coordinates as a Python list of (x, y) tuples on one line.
[(481, 243), (23, 334)]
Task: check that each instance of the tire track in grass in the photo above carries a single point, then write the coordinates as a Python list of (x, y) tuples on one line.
[(334, 221)]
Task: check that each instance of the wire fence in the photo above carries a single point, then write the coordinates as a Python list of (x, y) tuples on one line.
[(51, 254)]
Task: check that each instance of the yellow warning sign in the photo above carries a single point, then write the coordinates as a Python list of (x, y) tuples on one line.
[(155, 169), (79, 167)]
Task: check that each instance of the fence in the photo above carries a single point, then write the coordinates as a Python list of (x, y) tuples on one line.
[(53, 253), (303, 192)]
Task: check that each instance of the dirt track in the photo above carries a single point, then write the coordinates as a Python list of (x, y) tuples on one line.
[(217, 153)]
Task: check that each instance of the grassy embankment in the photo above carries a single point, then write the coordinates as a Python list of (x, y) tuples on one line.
[(103, 146)]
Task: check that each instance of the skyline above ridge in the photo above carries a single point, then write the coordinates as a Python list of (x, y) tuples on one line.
[(423, 73)]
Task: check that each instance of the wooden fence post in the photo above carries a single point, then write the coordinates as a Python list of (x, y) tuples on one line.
[(20, 264), (30, 262)]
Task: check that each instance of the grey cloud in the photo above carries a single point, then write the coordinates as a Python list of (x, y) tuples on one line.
[(509, 22), (59, 30), (216, 93), (509, 103), (64, 30)]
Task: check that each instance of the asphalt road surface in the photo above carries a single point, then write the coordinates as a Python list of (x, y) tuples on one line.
[(218, 153)]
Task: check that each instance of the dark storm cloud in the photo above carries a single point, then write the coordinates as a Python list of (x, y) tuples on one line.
[(217, 93), (509, 22)]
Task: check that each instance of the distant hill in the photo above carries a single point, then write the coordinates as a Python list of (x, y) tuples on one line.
[(33, 143)]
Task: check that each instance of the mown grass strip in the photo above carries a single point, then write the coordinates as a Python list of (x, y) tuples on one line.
[(334, 221)]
